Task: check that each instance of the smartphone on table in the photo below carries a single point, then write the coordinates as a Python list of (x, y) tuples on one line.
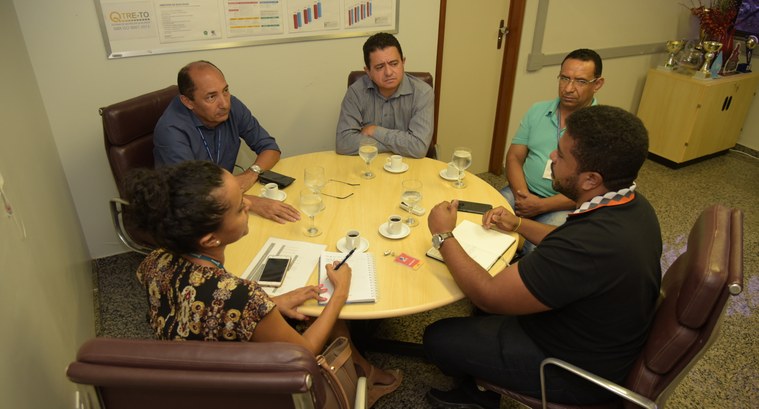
[(473, 207), (274, 272)]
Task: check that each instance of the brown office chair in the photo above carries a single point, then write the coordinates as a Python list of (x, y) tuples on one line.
[(694, 293), (424, 76), (128, 133), (143, 373)]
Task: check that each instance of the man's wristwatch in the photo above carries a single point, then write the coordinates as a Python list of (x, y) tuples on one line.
[(256, 169), (438, 239)]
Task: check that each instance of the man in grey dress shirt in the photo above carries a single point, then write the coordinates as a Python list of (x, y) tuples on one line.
[(387, 104)]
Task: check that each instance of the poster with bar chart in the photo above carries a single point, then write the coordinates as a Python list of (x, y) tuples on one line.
[(314, 15), (145, 27), (368, 13)]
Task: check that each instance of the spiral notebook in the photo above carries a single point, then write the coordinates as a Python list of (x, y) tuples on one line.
[(363, 280)]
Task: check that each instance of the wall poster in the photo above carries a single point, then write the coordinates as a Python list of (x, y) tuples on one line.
[(145, 27)]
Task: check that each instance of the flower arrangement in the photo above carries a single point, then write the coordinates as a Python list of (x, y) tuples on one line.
[(717, 20)]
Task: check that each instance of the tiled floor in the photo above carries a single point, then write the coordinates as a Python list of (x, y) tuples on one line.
[(727, 375)]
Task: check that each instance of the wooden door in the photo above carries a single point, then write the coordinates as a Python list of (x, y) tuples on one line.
[(470, 76)]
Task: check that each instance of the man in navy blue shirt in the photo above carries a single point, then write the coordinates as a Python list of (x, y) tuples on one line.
[(205, 122)]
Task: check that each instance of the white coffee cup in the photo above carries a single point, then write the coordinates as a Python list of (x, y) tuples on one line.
[(451, 172), (352, 240), (395, 162), (271, 191), (394, 224)]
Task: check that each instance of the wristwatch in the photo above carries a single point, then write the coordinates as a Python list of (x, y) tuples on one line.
[(438, 239), (256, 169)]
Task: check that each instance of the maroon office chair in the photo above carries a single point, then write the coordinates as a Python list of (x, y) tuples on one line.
[(694, 293), (424, 76), (128, 134), (152, 374)]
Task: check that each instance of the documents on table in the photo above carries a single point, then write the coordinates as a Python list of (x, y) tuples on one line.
[(363, 277), (483, 245), (304, 257)]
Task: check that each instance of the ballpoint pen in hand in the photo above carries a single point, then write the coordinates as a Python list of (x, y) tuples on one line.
[(340, 264)]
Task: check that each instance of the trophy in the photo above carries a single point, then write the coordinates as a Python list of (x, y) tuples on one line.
[(731, 64), (673, 47), (751, 42), (711, 48), (691, 57)]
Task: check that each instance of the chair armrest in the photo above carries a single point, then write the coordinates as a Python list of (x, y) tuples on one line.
[(360, 393), (621, 391)]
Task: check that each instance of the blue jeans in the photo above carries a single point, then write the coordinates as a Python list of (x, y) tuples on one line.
[(556, 218)]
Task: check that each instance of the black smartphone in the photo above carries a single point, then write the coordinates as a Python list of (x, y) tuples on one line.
[(274, 271), (473, 207), (281, 180)]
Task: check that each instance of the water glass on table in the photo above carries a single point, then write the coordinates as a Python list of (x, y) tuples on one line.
[(367, 150), (412, 194), (462, 159), (314, 177), (311, 204)]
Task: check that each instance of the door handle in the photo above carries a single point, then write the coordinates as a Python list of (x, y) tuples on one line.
[(502, 31)]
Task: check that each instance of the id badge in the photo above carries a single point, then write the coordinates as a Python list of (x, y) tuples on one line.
[(547, 170)]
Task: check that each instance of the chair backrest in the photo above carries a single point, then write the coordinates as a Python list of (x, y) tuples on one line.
[(128, 135), (146, 374), (694, 294), (695, 290), (128, 131), (424, 76)]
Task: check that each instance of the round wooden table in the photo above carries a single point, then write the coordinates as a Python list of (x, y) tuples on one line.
[(401, 290)]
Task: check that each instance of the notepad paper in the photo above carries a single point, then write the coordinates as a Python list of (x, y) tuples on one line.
[(363, 279), (483, 245)]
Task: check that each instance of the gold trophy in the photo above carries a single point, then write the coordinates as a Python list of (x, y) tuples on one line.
[(711, 48), (673, 47), (751, 42)]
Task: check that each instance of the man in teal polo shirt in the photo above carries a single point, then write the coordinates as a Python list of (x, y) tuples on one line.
[(528, 166)]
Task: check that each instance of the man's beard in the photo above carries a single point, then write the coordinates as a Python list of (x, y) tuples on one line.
[(568, 187)]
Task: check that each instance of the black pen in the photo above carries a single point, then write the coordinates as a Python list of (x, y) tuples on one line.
[(340, 264)]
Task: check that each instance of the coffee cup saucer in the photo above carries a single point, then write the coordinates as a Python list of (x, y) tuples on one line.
[(343, 248), (281, 196), (405, 231), (444, 175), (403, 168)]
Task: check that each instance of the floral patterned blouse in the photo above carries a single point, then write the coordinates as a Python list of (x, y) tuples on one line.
[(192, 302)]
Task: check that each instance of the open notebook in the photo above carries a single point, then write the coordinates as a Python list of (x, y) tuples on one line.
[(363, 278), (483, 245)]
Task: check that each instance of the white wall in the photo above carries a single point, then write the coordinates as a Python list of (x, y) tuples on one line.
[(603, 24), (294, 89), (46, 290)]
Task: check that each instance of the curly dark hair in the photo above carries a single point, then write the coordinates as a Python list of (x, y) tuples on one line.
[(610, 141), (586, 54), (380, 41), (176, 204), (184, 81)]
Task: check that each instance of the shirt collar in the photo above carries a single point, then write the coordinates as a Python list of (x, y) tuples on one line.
[(405, 88), (608, 199)]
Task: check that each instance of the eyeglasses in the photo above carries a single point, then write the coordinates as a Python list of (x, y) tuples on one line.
[(579, 82), (341, 197)]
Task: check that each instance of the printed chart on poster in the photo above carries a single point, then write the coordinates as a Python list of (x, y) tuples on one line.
[(146, 27)]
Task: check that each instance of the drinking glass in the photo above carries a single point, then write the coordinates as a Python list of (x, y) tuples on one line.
[(412, 194), (462, 159), (367, 150), (314, 178), (311, 204)]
